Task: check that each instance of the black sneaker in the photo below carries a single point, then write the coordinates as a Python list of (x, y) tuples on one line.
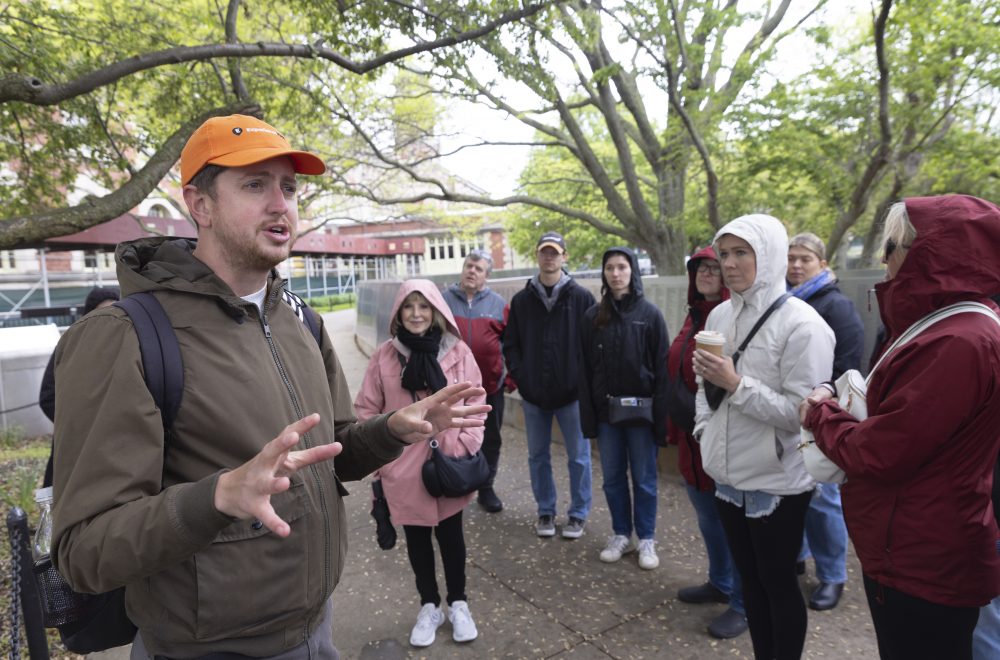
[(703, 593), (489, 501), (727, 625)]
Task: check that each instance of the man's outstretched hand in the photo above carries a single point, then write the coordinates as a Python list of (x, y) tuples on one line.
[(425, 418), (246, 492)]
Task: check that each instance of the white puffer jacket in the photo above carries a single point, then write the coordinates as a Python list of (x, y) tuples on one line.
[(750, 441)]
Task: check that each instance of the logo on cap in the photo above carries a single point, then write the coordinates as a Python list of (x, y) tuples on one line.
[(237, 131)]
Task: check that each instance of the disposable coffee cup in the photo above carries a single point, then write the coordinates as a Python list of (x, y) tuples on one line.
[(710, 341)]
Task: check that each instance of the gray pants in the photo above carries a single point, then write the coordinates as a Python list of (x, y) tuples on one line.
[(319, 646)]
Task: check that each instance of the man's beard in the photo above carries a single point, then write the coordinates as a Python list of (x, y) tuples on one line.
[(243, 252)]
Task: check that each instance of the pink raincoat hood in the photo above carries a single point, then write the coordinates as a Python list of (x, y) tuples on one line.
[(430, 291)]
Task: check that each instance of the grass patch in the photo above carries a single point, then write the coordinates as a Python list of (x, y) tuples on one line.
[(333, 303), (22, 464)]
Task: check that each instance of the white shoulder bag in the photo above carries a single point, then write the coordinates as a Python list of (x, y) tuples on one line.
[(852, 390)]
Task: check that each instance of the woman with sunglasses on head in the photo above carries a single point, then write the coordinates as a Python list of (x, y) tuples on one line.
[(919, 468), (425, 354), (748, 426)]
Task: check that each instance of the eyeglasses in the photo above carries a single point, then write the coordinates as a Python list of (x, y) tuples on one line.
[(709, 269), (890, 247)]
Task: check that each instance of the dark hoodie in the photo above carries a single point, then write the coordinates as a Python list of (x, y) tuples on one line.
[(626, 357), (920, 468), (679, 367)]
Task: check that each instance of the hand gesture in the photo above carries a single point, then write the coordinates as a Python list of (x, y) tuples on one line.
[(817, 395), (426, 418), (716, 370), (246, 492)]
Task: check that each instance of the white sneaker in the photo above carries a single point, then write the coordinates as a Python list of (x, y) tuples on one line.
[(647, 554), (463, 628), (617, 546), (428, 620)]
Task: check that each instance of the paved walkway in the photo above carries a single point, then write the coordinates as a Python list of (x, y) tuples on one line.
[(553, 598)]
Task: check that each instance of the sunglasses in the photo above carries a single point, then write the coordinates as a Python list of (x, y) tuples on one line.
[(890, 247)]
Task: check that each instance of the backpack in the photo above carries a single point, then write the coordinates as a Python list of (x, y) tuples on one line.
[(89, 623)]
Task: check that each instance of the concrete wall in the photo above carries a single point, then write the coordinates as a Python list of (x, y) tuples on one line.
[(668, 293), (24, 353)]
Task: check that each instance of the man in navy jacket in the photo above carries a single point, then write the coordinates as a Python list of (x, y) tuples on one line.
[(543, 353)]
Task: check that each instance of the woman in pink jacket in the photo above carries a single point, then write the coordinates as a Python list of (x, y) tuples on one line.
[(425, 354)]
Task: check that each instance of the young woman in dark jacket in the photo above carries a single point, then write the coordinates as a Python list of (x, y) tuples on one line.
[(705, 291), (625, 343)]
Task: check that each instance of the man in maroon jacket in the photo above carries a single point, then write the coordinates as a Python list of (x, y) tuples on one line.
[(481, 315)]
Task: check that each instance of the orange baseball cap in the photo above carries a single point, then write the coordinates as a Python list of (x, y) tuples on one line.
[(239, 140)]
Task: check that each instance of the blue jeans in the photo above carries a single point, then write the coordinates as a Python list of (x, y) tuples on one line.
[(986, 638), (623, 448), (722, 571), (826, 535), (538, 429)]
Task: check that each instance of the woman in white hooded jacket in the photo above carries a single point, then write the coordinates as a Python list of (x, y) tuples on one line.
[(748, 444)]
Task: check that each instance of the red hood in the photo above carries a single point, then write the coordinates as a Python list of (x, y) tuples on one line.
[(692, 267), (953, 258)]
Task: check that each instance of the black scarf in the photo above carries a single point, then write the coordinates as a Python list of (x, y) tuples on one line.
[(422, 371)]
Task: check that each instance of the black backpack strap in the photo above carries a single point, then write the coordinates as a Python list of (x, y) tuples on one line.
[(305, 313), (161, 354), (756, 326)]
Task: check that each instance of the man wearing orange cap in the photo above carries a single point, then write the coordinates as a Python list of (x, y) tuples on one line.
[(229, 542)]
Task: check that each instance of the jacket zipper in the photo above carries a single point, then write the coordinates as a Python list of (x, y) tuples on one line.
[(468, 320), (313, 469)]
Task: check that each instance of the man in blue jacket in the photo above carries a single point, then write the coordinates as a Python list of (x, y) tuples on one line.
[(543, 352), (481, 315), (826, 534)]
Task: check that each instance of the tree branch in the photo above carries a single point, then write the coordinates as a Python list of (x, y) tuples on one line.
[(879, 160), (26, 230), (30, 89), (235, 72)]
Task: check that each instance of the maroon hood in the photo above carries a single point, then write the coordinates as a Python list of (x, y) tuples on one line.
[(692, 267), (953, 258)]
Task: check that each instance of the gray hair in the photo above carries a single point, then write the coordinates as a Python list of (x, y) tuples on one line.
[(809, 241), (898, 227), (481, 255)]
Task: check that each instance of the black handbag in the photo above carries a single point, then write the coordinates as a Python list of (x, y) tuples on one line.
[(680, 405), (454, 476), (630, 410), (715, 394), (680, 400)]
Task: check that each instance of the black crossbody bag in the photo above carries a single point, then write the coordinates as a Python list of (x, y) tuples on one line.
[(715, 394), (680, 400)]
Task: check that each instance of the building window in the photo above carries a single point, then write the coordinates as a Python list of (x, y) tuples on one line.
[(433, 253), (159, 211), (90, 260), (451, 250)]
